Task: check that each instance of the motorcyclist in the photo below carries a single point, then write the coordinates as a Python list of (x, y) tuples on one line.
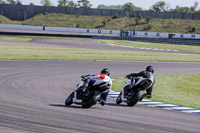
[(148, 73), (103, 75)]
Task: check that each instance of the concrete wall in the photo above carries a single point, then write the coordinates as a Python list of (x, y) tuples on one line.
[(100, 32), (20, 12)]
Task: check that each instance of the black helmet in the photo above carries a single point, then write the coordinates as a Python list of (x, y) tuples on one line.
[(105, 71), (150, 69)]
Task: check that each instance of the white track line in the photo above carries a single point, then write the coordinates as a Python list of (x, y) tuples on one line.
[(168, 50), (146, 102)]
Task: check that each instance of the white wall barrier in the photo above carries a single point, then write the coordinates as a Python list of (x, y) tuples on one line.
[(165, 35), (59, 29), (99, 31)]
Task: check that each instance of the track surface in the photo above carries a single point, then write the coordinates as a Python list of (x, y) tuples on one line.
[(32, 95), (82, 44)]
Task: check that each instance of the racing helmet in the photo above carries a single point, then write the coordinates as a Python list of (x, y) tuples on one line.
[(150, 69), (105, 71)]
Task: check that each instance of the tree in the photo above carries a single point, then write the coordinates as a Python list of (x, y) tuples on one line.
[(18, 2), (118, 7), (84, 4), (196, 5), (71, 4), (2, 2), (62, 2), (31, 4), (158, 7), (46, 2), (128, 6), (11, 2), (181, 9), (198, 11), (68, 3), (101, 7), (193, 9)]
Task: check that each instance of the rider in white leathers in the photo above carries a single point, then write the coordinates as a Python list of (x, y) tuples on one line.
[(103, 75)]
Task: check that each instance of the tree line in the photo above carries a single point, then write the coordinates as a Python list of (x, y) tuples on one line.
[(160, 6)]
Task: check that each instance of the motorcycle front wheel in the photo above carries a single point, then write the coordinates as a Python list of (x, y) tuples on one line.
[(69, 100), (118, 100)]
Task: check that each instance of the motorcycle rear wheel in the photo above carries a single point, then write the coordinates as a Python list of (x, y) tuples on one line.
[(135, 98), (91, 101)]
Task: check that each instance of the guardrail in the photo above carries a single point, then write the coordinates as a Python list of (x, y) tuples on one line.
[(155, 40)]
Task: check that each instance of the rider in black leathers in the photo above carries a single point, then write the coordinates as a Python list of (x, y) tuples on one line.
[(148, 73)]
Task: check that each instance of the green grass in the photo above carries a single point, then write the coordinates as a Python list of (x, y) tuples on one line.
[(186, 48), (14, 38), (178, 89), (25, 52), (108, 23)]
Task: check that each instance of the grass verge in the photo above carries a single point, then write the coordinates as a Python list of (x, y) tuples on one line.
[(178, 89), (11, 38), (186, 48), (25, 52)]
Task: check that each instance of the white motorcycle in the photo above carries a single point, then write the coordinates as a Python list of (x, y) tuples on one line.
[(89, 96), (133, 90)]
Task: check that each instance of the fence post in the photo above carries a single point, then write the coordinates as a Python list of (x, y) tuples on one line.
[(1, 17), (117, 25), (163, 25), (188, 26), (71, 20), (47, 18), (93, 22), (25, 17)]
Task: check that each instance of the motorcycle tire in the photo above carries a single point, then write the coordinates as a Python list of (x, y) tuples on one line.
[(135, 98), (91, 101), (118, 100), (69, 100)]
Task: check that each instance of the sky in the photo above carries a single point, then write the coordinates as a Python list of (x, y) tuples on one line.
[(144, 4)]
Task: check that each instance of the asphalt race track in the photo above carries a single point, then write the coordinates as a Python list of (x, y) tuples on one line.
[(32, 95)]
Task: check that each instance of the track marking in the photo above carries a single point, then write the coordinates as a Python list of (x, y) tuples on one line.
[(155, 49), (146, 102)]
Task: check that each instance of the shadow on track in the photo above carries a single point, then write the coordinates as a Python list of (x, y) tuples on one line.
[(64, 106), (71, 106), (116, 105)]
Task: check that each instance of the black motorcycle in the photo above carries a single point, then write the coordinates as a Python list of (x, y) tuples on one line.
[(133, 90)]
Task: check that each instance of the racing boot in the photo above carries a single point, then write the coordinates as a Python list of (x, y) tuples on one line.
[(148, 96), (145, 95), (101, 101)]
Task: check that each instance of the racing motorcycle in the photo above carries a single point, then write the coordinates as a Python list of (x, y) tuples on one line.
[(87, 97), (133, 90)]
